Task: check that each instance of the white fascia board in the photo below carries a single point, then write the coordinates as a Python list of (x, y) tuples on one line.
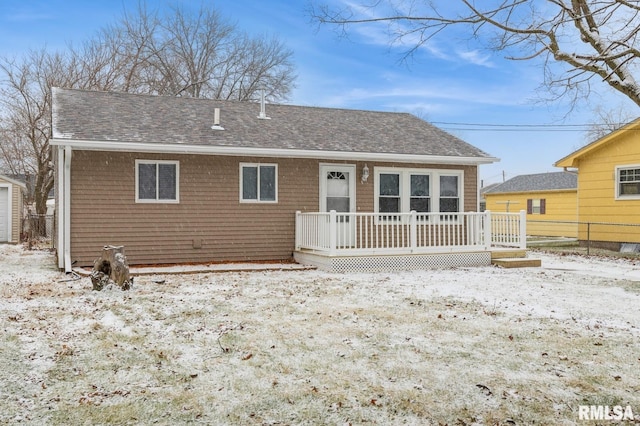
[(266, 152), (13, 181)]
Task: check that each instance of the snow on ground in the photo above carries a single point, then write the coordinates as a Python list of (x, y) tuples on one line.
[(461, 346)]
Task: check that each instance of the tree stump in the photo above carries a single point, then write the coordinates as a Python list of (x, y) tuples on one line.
[(111, 268)]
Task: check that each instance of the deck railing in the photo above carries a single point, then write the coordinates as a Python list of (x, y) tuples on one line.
[(400, 233)]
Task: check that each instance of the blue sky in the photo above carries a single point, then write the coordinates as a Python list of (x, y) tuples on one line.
[(448, 81)]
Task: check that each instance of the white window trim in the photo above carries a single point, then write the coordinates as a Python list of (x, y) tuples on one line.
[(258, 201), (158, 201), (405, 185), (617, 183)]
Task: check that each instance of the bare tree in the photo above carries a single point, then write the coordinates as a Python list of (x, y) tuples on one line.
[(607, 120), (25, 100), (592, 40), (198, 55), (177, 54)]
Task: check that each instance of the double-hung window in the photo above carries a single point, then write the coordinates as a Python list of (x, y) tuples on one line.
[(420, 201), (258, 183), (389, 193), (157, 181), (628, 182), (449, 196), (536, 206)]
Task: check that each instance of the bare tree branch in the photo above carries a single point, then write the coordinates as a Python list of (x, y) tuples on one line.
[(577, 40)]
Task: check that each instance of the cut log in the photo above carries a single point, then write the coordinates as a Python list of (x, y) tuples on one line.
[(111, 268)]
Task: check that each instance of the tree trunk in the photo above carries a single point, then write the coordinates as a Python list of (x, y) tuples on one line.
[(111, 268)]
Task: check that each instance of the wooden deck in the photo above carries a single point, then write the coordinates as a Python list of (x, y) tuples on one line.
[(367, 242)]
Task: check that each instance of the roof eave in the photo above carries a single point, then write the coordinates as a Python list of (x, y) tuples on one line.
[(572, 160), (13, 181), (88, 145), (531, 191)]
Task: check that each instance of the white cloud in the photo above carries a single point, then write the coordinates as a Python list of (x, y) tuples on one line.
[(413, 92), (476, 58)]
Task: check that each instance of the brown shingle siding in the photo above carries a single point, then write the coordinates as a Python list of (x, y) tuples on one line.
[(209, 210), (104, 210)]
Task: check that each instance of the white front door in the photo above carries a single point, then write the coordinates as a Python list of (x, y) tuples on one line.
[(337, 192), (4, 214)]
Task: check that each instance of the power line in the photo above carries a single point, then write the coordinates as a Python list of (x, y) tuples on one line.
[(514, 125), (497, 127), (512, 130)]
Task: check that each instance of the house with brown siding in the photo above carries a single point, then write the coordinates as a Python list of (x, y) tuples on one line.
[(177, 180)]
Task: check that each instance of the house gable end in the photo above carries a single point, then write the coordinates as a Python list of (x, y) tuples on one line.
[(573, 159)]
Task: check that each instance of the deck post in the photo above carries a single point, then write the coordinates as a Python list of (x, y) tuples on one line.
[(333, 232), (298, 229), (523, 229), (487, 229), (413, 231)]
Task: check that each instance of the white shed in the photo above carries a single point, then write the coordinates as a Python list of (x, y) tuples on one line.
[(11, 192)]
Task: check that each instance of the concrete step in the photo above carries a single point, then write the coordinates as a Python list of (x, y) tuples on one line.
[(517, 262)]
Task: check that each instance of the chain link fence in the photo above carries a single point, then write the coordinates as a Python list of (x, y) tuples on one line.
[(602, 235)]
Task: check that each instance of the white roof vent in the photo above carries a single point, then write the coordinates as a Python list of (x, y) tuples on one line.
[(216, 120), (263, 112)]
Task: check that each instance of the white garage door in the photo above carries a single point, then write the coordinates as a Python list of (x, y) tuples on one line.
[(4, 214)]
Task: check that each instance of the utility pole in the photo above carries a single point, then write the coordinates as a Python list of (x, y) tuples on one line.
[(508, 203)]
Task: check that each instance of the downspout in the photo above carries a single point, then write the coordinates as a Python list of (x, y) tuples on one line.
[(67, 209), (478, 188), (60, 209)]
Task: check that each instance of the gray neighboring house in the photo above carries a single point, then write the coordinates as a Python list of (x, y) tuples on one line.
[(537, 182), (484, 190), (179, 180)]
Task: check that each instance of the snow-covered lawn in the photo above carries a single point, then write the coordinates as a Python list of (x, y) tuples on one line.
[(459, 347)]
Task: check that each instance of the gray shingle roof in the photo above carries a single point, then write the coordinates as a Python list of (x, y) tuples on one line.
[(124, 117), (538, 182)]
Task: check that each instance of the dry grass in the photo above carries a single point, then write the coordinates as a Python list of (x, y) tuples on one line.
[(314, 348)]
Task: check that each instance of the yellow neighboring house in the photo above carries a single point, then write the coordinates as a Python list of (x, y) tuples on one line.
[(550, 200), (609, 187)]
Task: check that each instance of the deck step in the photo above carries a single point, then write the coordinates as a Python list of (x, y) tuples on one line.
[(508, 253), (514, 262)]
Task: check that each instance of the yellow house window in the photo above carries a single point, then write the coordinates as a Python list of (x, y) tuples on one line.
[(629, 182), (536, 206)]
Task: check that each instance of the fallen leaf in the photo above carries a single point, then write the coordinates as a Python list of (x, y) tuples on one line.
[(485, 389)]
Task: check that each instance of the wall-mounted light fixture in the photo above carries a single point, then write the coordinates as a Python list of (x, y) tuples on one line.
[(365, 174)]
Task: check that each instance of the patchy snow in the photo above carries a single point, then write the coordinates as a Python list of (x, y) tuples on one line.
[(461, 346)]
